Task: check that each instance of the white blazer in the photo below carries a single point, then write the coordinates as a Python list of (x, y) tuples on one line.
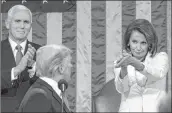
[(141, 91)]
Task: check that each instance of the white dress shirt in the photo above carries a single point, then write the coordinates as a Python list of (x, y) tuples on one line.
[(14, 50), (53, 84)]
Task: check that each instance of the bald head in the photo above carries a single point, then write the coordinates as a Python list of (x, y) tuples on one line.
[(17, 8)]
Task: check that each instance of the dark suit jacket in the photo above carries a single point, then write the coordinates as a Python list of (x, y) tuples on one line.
[(7, 63), (41, 98)]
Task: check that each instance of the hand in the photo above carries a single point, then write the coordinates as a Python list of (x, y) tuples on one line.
[(123, 72), (141, 80), (31, 53), (124, 55), (136, 63), (32, 70), (123, 62), (27, 58), (129, 60)]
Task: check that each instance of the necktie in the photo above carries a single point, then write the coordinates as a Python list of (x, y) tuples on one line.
[(19, 56)]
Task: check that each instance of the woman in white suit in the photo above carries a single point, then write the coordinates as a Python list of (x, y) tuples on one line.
[(140, 72)]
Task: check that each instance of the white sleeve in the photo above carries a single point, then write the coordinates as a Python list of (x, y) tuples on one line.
[(157, 66), (120, 84), (12, 75)]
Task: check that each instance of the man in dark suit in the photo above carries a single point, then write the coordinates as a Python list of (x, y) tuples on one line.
[(53, 63), (17, 53)]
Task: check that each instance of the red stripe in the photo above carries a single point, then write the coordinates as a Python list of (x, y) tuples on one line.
[(159, 11)]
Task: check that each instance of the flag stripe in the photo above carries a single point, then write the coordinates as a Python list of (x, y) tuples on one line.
[(98, 32), (39, 28), (143, 10), (83, 78), (169, 42), (5, 30), (69, 40), (113, 35), (54, 28), (3, 26), (128, 14), (159, 22), (29, 37)]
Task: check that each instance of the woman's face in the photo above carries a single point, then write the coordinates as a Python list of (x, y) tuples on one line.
[(138, 45)]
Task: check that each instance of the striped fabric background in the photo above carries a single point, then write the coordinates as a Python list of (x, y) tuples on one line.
[(94, 31)]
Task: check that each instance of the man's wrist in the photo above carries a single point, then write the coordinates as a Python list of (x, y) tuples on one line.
[(16, 71)]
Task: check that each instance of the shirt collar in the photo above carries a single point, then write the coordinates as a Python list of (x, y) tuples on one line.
[(14, 44), (53, 84)]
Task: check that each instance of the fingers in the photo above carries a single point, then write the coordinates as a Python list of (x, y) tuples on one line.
[(30, 53), (119, 63), (119, 59), (123, 62), (30, 63), (31, 72), (31, 50), (28, 57), (125, 53)]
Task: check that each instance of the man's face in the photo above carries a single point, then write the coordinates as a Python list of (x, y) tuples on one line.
[(19, 26)]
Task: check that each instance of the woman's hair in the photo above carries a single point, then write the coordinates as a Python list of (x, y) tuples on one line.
[(146, 28)]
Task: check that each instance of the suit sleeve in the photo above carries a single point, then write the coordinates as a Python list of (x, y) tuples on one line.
[(157, 67), (120, 84), (38, 102), (6, 79)]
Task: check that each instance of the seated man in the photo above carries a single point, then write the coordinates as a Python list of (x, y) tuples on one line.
[(53, 63)]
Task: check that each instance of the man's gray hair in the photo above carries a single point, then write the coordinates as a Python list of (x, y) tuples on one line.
[(49, 58), (17, 8)]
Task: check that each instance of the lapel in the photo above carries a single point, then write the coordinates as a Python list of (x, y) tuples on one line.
[(8, 54), (53, 92), (26, 47)]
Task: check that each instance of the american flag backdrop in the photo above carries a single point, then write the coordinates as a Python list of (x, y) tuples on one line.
[(94, 31)]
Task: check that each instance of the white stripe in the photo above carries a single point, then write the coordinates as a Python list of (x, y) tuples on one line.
[(143, 10), (1, 26), (113, 35), (54, 28), (29, 37), (3, 18), (169, 41), (83, 77)]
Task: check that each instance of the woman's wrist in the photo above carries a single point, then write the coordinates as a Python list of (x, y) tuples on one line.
[(123, 72), (141, 67)]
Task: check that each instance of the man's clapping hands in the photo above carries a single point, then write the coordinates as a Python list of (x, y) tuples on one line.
[(27, 60)]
